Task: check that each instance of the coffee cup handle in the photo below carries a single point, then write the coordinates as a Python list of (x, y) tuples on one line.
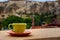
[(9, 26)]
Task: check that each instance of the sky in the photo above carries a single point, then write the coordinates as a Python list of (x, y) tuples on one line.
[(32, 0), (42, 0), (3, 0)]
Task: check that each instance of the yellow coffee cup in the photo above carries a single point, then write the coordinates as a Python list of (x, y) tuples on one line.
[(18, 27)]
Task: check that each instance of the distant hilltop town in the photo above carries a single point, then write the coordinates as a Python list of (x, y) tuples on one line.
[(26, 7)]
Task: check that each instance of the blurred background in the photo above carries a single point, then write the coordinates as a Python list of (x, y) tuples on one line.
[(33, 12)]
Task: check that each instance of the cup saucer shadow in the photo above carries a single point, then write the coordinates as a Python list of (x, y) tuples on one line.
[(19, 36)]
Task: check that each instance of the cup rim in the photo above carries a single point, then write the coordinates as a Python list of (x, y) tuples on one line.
[(19, 23)]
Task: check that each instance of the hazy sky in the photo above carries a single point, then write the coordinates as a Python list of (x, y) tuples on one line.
[(2, 0), (43, 0), (32, 0)]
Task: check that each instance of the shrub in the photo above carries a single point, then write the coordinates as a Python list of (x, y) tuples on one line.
[(37, 20), (16, 19), (12, 19), (28, 21)]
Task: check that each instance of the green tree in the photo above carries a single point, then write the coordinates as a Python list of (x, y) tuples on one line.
[(12, 19), (29, 22), (16, 19)]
